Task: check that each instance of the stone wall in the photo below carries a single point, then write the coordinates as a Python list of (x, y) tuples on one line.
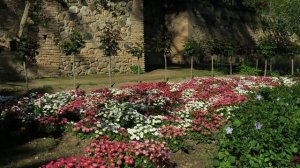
[(85, 16), (89, 18)]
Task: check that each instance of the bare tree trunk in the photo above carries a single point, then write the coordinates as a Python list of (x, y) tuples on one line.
[(24, 19), (212, 65), (192, 64), (266, 63), (139, 73), (26, 77), (166, 67), (109, 72), (21, 28), (256, 66), (74, 78), (270, 65), (230, 64), (292, 66)]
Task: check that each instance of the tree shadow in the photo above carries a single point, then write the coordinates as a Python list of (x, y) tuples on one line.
[(15, 143), (207, 20)]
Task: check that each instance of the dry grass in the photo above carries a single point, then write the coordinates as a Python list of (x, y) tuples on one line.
[(97, 81)]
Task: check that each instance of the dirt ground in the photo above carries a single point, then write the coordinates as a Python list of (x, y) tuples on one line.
[(22, 151)]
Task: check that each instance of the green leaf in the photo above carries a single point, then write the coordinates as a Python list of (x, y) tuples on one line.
[(236, 123), (294, 149)]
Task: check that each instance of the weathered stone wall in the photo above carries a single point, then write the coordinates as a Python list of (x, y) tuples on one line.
[(85, 16), (89, 18)]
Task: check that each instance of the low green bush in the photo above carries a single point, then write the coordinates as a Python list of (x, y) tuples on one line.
[(264, 132), (134, 69), (247, 70)]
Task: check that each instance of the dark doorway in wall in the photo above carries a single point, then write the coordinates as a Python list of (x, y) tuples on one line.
[(154, 23)]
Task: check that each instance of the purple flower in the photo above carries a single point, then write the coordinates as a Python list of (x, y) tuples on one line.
[(229, 130), (258, 125)]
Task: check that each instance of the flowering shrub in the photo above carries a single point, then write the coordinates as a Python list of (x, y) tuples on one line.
[(106, 153), (264, 131), (163, 111)]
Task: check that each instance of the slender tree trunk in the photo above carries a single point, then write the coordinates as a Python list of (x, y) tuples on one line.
[(212, 65), (109, 72), (256, 66), (266, 63), (139, 73), (74, 77), (230, 64), (292, 66), (24, 19), (166, 67), (192, 64), (26, 77), (270, 65), (20, 32)]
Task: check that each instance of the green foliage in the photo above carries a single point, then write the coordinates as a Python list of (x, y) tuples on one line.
[(27, 49), (293, 49), (162, 43), (266, 46), (73, 44), (220, 47), (228, 48), (136, 50), (214, 46), (109, 40), (190, 48), (265, 131), (247, 70), (279, 16), (135, 69)]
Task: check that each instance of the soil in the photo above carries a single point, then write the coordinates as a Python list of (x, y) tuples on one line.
[(20, 151)]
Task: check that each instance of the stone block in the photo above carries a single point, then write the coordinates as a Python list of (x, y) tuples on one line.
[(128, 22), (92, 71), (72, 24), (73, 9), (85, 10)]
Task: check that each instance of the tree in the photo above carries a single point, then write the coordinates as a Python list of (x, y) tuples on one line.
[(27, 49), (24, 18), (72, 46), (190, 51), (293, 50), (137, 50), (109, 45), (162, 44), (213, 47), (281, 17), (266, 48), (228, 52)]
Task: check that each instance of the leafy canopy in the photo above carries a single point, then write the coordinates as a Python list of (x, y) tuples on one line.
[(279, 16), (73, 44), (190, 48), (109, 40), (266, 46), (27, 49)]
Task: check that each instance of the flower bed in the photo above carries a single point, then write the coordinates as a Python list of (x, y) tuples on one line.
[(137, 115), (265, 131)]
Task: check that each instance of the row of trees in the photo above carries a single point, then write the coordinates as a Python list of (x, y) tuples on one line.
[(27, 47), (278, 18), (266, 48), (109, 45)]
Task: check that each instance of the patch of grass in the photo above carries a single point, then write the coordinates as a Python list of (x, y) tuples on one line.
[(97, 81)]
